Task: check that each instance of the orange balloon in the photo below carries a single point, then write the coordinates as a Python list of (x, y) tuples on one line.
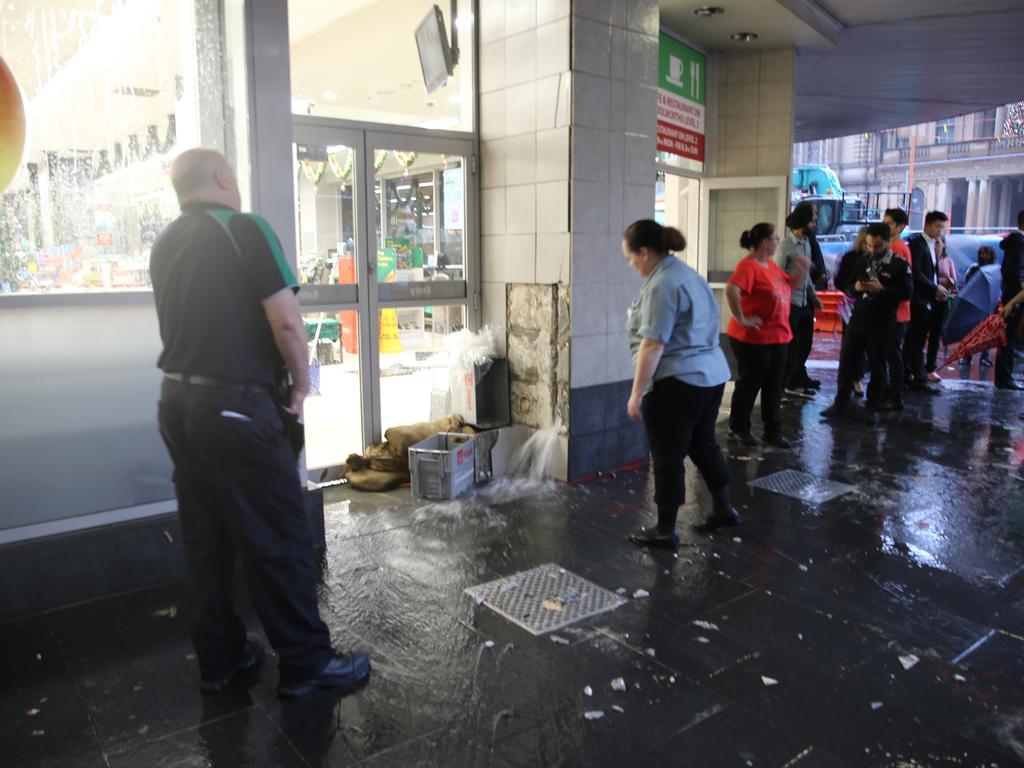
[(12, 125)]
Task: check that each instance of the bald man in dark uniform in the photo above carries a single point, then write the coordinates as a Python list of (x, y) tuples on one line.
[(235, 371)]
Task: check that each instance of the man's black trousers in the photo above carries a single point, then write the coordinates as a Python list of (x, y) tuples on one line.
[(238, 496), (874, 339)]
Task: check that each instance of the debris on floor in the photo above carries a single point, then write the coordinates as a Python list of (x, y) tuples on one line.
[(558, 640), (594, 714), (876, 705), (619, 709), (618, 684), (641, 593), (769, 681), (909, 661), (588, 691), (650, 652), (705, 625), (168, 613)]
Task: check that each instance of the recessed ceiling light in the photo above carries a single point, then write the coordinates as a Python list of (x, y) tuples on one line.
[(744, 37), (708, 10), (330, 95)]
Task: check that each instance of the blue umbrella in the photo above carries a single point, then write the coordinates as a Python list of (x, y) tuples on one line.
[(977, 300)]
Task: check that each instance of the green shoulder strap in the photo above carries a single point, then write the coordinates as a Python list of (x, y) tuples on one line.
[(223, 217)]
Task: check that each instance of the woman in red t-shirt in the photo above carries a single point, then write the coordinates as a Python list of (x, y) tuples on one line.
[(758, 294)]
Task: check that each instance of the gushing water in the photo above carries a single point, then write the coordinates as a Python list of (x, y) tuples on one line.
[(530, 472)]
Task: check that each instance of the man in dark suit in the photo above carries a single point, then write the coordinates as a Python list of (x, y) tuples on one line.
[(927, 293), (1013, 278)]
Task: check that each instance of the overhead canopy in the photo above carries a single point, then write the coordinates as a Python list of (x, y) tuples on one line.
[(867, 65)]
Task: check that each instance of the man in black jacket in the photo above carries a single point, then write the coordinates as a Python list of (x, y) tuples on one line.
[(879, 281), (1013, 278), (927, 293)]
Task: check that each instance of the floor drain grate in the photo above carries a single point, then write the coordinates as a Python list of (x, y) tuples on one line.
[(800, 485), (544, 598)]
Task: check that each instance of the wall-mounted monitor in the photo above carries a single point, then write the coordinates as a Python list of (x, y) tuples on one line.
[(436, 59)]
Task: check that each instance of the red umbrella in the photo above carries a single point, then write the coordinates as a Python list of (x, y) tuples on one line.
[(991, 332)]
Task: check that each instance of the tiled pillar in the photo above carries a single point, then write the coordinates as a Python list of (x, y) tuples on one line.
[(972, 203), (614, 71)]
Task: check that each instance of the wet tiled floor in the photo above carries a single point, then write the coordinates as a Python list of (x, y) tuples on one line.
[(804, 614)]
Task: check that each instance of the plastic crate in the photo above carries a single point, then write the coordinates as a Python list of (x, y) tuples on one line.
[(443, 466)]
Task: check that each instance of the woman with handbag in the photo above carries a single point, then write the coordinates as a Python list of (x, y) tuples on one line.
[(946, 275)]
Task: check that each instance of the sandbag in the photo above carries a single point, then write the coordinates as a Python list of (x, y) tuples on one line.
[(401, 439), (373, 480)]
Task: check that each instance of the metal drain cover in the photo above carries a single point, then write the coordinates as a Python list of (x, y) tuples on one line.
[(800, 485), (544, 598)]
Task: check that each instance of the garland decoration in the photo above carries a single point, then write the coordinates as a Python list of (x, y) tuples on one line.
[(341, 170), (405, 159), (313, 170)]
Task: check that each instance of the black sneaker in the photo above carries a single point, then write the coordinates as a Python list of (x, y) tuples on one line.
[(745, 439), (779, 441), (251, 659), (723, 519), (834, 411), (812, 384), (345, 670), (652, 537)]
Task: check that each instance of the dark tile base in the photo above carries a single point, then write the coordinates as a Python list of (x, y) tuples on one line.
[(42, 574), (601, 434)]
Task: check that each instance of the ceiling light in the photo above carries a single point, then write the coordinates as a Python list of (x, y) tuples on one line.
[(744, 37), (330, 95), (708, 10)]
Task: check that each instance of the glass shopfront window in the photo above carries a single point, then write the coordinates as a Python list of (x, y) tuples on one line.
[(112, 90), (358, 60)]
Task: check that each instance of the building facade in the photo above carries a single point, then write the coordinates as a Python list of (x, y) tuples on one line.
[(970, 166)]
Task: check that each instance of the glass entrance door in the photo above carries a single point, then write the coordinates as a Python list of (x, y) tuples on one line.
[(677, 204), (386, 250)]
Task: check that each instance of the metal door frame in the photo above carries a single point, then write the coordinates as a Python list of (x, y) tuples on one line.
[(364, 139)]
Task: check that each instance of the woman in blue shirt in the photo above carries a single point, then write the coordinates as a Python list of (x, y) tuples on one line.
[(680, 376)]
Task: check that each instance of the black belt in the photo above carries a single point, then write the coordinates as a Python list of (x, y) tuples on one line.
[(192, 379)]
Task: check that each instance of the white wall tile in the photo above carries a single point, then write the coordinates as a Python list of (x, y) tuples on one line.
[(617, 104), (552, 10), (616, 209), (553, 257), (563, 116), (590, 310), (492, 163), (639, 201), (591, 47), (553, 206), (553, 46), (492, 66), (521, 258), (643, 16), (553, 155), (588, 361), (547, 102), (521, 109), (641, 110), (590, 206), (641, 59), (617, 63), (620, 360), (492, 20), (520, 15), (521, 58), (616, 157), (521, 159), (492, 115), (590, 101), (598, 10), (620, 12), (590, 154), (494, 259), (492, 211), (521, 210), (590, 257), (639, 160), (494, 305)]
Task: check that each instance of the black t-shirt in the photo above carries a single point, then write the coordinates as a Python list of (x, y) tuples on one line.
[(209, 290)]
